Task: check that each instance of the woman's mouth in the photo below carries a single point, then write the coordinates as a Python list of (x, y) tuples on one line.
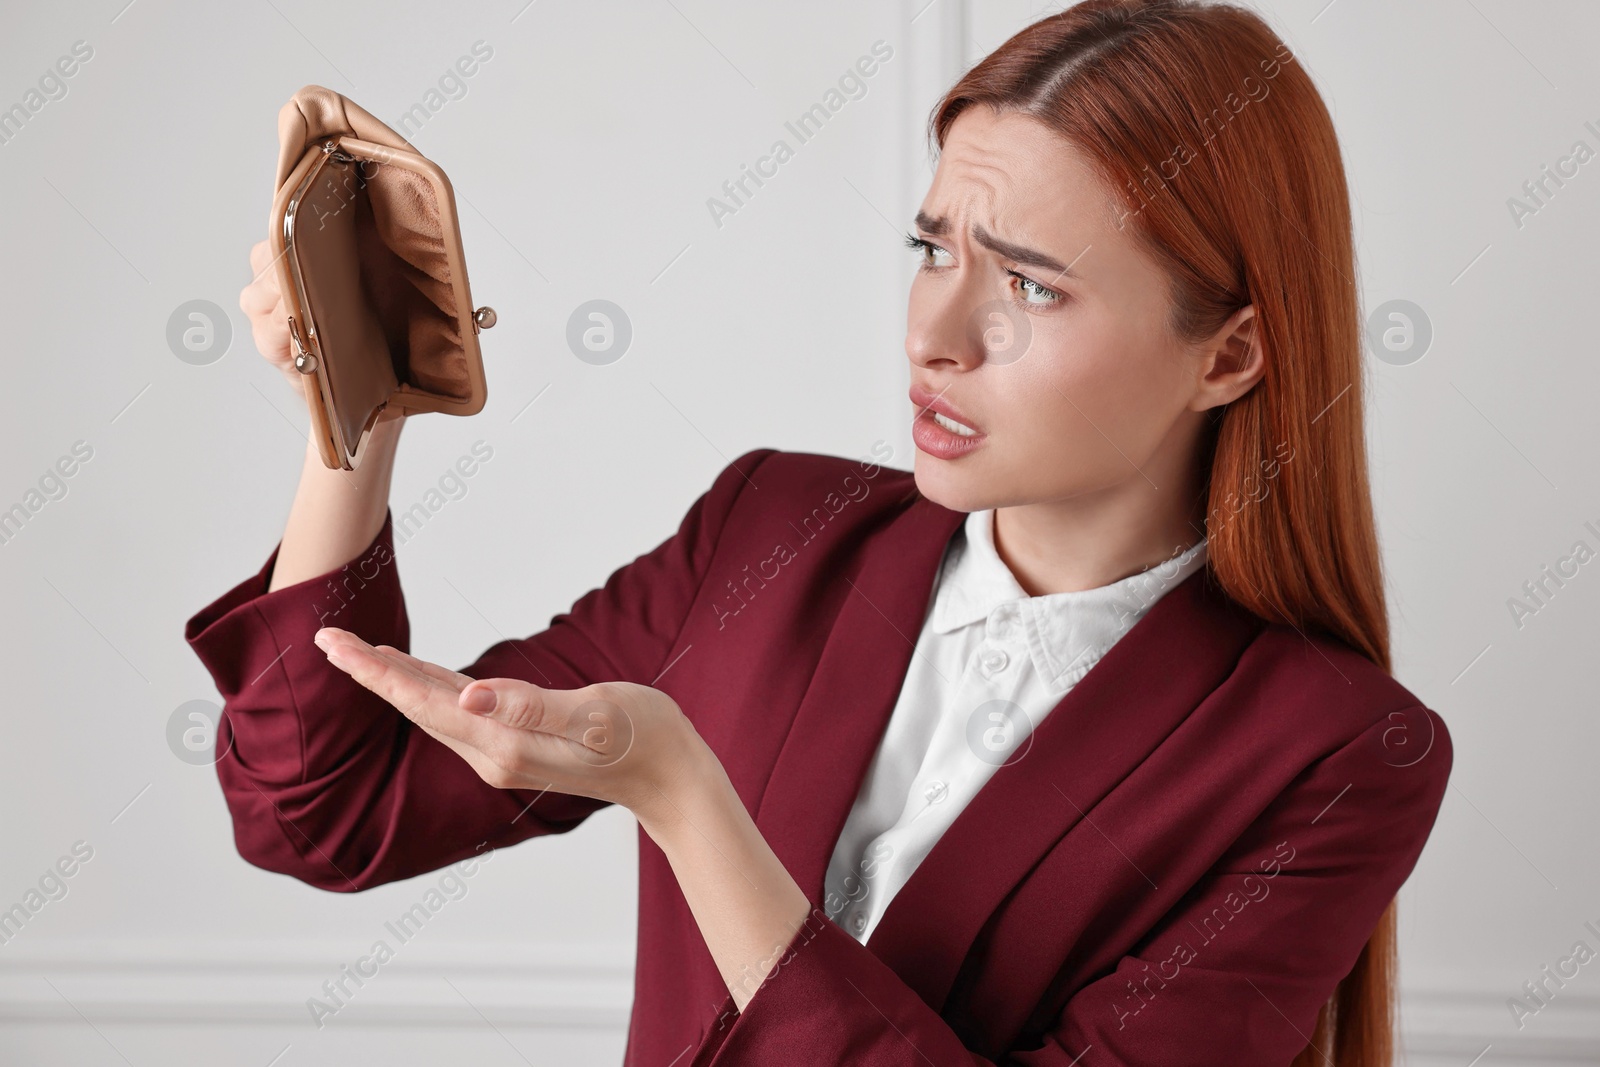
[(953, 426), (941, 431)]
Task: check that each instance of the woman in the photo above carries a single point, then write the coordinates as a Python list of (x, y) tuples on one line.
[(1078, 745)]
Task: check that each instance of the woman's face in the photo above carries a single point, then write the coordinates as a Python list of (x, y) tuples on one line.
[(1038, 326)]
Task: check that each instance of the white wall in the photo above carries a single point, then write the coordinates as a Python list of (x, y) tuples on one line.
[(584, 152)]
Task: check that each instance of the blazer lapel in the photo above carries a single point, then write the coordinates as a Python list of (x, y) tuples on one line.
[(846, 709), (1119, 712)]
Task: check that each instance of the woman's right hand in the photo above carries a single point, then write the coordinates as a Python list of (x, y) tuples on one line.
[(336, 513), (262, 303)]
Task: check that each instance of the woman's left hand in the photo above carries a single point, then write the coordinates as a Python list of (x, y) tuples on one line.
[(615, 741)]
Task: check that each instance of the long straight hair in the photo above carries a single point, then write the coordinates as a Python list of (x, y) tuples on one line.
[(1229, 172)]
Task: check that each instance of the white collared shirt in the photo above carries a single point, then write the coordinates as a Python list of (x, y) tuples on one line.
[(990, 663)]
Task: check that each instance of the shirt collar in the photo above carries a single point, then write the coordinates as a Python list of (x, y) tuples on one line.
[(1067, 632)]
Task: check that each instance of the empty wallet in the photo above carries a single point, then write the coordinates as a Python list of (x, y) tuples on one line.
[(367, 246)]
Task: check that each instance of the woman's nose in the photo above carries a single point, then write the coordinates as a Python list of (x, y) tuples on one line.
[(941, 330)]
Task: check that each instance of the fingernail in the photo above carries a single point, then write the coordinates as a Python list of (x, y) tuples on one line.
[(322, 638), (479, 700)]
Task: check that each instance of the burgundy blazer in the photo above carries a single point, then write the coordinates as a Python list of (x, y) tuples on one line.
[(1191, 854)]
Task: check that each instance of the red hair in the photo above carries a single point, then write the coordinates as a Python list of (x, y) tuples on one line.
[(1225, 159)]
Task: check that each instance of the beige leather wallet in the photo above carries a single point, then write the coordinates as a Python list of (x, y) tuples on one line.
[(367, 246)]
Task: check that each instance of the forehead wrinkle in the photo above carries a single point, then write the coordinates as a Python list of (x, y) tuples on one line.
[(972, 196), (984, 184), (988, 176), (980, 178), (991, 226)]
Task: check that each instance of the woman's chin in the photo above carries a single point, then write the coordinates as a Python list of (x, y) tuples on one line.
[(951, 483)]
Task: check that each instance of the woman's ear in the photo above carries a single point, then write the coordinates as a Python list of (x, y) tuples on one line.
[(1232, 361)]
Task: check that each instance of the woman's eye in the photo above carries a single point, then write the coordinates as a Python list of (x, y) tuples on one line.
[(1034, 293), (929, 251), (1031, 293)]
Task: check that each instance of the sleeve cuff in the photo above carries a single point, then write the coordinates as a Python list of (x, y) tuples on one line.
[(825, 974), (362, 596)]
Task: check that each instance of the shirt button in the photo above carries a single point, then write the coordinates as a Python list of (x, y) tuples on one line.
[(993, 660), (859, 923), (936, 792)]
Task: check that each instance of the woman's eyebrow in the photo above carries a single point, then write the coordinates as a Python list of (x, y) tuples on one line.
[(940, 226)]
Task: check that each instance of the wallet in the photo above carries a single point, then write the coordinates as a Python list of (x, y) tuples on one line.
[(367, 246)]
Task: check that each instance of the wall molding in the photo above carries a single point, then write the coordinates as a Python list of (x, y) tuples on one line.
[(570, 986), (1460, 1020), (580, 986)]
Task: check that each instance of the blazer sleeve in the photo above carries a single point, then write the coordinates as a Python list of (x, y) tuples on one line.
[(1233, 976), (328, 783)]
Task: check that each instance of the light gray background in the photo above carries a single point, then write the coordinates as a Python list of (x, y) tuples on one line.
[(584, 151)]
